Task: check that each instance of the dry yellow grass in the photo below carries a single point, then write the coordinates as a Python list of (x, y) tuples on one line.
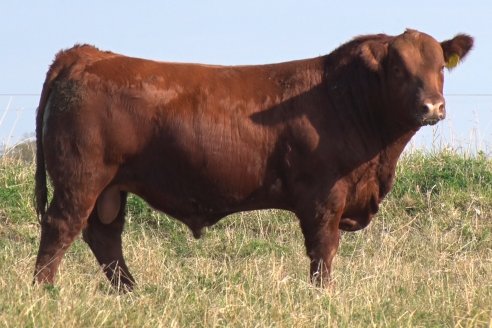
[(426, 261)]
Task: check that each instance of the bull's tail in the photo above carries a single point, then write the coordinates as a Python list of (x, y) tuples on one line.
[(40, 189)]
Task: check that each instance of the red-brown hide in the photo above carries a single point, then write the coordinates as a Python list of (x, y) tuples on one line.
[(319, 137)]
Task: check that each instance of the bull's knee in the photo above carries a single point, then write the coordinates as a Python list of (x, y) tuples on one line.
[(321, 246)]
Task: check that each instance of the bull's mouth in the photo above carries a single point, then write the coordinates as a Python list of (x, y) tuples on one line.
[(429, 121)]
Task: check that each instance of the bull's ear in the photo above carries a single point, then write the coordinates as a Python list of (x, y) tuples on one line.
[(372, 53), (456, 49)]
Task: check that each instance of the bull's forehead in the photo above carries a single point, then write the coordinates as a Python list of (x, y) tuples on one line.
[(418, 50)]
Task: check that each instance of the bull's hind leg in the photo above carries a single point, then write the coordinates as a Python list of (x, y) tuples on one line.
[(104, 239), (62, 222)]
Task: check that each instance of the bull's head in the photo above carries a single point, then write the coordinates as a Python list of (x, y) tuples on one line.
[(412, 66)]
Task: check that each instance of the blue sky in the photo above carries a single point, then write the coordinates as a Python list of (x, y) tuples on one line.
[(233, 32)]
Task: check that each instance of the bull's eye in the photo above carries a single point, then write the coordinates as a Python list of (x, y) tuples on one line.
[(397, 71)]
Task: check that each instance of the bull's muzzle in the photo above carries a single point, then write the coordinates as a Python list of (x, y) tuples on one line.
[(433, 112)]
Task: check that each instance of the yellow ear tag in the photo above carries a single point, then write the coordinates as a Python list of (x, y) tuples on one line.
[(453, 61)]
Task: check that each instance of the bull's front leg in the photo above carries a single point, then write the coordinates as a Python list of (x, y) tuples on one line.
[(320, 228)]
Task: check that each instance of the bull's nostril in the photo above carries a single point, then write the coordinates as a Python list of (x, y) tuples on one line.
[(441, 111), (426, 108)]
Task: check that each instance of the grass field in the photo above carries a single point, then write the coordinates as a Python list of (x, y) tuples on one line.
[(425, 261)]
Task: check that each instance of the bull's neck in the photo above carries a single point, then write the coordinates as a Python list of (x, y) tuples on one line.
[(356, 99)]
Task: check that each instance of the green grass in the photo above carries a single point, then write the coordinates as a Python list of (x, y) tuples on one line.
[(425, 261)]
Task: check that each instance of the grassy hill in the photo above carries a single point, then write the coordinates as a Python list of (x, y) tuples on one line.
[(425, 260)]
